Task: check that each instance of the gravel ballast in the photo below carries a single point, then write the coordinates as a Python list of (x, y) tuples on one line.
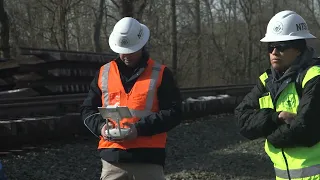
[(209, 148)]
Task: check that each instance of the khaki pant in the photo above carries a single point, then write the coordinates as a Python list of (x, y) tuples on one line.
[(131, 171)]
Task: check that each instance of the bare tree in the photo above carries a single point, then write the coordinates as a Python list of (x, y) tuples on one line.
[(224, 34), (97, 27), (174, 58), (127, 8), (4, 31), (131, 8), (310, 7), (198, 35), (63, 10), (247, 10), (31, 22)]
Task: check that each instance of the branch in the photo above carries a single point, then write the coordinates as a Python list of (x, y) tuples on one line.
[(115, 4), (45, 6), (112, 17), (73, 4), (141, 9)]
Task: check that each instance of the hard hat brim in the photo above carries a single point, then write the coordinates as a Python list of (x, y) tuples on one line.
[(132, 49), (286, 38)]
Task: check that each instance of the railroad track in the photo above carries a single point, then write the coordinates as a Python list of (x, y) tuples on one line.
[(12, 108), (32, 120), (29, 133), (185, 92), (42, 117)]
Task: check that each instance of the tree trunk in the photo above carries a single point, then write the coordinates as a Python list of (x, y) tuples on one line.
[(131, 8), (97, 27), (127, 8), (198, 35), (4, 31), (174, 57), (63, 25)]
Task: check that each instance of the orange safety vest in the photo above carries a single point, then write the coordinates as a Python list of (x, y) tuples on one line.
[(142, 101)]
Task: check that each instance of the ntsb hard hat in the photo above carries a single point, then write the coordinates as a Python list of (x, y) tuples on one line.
[(128, 36), (286, 26)]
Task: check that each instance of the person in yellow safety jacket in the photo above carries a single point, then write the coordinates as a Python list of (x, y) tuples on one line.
[(283, 107), (149, 90)]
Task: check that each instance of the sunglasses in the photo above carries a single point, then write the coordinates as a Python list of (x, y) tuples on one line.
[(279, 47)]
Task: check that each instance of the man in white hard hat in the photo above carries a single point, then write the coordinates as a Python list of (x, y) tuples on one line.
[(148, 89), (283, 107)]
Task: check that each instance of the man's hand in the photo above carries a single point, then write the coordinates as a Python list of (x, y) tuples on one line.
[(104, 128), (286, 117), (132, 134)]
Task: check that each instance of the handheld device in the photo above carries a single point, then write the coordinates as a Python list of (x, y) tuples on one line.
[(116, 113)]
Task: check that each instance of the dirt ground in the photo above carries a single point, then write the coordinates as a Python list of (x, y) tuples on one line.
[(209, 148)]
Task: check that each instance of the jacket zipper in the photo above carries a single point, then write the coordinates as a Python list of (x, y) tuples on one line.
[(286, 161)]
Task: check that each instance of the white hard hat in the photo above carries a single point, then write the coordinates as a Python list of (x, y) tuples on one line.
[(285, 26), (128, 36)]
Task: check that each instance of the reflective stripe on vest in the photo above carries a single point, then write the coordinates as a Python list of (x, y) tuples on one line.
[(142, 101), (104, 73), (303, 162), (299, 173)]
